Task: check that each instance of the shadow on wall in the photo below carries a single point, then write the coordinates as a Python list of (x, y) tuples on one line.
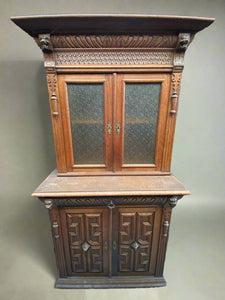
[(27, 232), (27, 157), (25, 117)]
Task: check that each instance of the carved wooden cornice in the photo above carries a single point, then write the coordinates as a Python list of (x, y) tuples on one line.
[(49, 42), (114, 41)]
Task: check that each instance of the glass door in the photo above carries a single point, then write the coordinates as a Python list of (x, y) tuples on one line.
[(87, 121), (141, 110)]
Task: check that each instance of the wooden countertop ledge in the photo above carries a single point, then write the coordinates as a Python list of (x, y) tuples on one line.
[(58, 186)]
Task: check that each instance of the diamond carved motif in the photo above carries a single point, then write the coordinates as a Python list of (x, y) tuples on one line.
[(135, 245), (85, 246)]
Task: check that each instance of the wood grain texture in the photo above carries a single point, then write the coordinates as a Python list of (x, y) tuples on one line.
[(55, 186)]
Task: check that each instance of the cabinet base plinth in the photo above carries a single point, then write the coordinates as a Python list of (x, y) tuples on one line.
[(109, 282)]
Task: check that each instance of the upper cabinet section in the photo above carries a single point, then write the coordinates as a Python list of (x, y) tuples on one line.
[(114, 83)]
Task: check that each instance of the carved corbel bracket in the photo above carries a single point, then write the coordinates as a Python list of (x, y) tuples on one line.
[(44, 42), (183, 42), (172, 201), (48, 203)]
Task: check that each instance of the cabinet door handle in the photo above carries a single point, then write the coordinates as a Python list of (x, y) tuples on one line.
[(118, 127)]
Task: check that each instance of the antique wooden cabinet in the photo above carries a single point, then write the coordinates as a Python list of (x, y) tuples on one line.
[(114, 83)]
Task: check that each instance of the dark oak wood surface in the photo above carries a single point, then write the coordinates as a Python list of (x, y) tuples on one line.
[(121, 24)]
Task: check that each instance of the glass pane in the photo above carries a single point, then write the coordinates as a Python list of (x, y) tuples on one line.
[(141, 116), (86, 106)]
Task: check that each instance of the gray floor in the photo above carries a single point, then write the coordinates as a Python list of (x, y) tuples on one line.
[(195, 263)]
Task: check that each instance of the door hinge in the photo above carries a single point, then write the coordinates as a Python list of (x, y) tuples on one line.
[(109, 128)]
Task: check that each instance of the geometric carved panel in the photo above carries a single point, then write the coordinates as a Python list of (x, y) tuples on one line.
[(85, 241), (135, 240), (114, 58)]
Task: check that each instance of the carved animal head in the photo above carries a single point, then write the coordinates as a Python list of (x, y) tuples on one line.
[(184, 40), (44, 43)]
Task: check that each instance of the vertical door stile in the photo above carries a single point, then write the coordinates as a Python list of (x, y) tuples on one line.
[(108, 119), (114, 107), (110, 231)]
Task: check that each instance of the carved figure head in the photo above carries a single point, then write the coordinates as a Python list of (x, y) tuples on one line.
[(44, 43), (184, 40)]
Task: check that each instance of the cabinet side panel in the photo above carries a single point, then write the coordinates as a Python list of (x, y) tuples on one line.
[(163, 240), (56, 227)]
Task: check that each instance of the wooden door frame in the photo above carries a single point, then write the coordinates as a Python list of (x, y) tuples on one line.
[(164, 80), (63, 80)]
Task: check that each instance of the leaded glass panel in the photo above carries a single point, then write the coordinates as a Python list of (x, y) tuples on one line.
[(86, 105), (140, 126)]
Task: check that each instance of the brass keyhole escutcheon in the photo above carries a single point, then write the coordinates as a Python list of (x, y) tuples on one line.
[(118, 127), (106, 245), (111, 205), (114, 245)]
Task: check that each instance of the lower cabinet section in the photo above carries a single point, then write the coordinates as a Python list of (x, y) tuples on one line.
[(110, 246), (113, 244)]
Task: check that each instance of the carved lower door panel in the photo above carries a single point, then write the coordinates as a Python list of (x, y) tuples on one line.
[(85, 239), (135, 240)]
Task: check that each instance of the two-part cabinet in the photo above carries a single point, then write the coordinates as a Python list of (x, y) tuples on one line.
[(114, 84)]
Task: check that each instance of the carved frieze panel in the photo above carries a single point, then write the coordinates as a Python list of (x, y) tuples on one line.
[(114, 58), (114, 41), (95, 201), (110, 201)]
